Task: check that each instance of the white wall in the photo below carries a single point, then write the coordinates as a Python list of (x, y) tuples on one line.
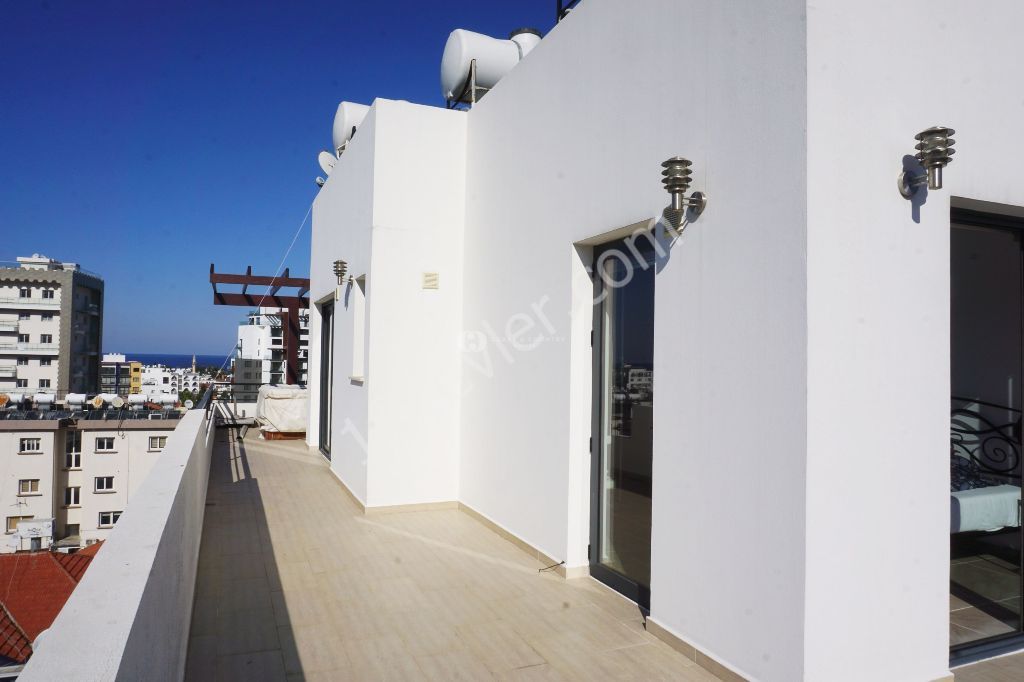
[(568, 147), (878, 315), (342, 226), (149, 563), (15, 467), (413, 363)]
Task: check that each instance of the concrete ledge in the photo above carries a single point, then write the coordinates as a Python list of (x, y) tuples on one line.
[(693, 653), (129, 617)]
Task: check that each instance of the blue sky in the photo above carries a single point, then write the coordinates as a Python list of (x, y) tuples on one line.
[(146, 141)]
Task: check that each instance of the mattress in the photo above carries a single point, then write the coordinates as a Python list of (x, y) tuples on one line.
[(989, 508)]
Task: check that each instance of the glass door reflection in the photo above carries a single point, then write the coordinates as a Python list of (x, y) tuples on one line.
[(987, 368), (624, 364)]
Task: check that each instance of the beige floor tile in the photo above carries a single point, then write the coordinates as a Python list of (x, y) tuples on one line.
[(405, 596)]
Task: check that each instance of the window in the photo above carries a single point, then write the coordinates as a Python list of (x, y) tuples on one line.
[(166, 380), (47, 293), (21, 383), (108, 519), (22, 361), (73, 460), (28, 486), (104, 484), (24, 316), (46, 317), (157, 442), (71, 529), (24, 293), (72, 495), (12, 522), (22, 338), (105, 444), (73, 442), (46, 338), (30, 445), (44, 383), (45, 362)]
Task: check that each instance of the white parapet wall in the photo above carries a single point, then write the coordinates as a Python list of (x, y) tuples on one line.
[(129, 617)]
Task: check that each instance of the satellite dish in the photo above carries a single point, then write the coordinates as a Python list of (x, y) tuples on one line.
[(327, 161), (117, 402), (189, 404), (97, 402), (4, 399)]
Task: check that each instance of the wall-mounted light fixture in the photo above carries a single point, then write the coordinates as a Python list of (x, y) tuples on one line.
[(934, 149), (340, 268), (676, 178)]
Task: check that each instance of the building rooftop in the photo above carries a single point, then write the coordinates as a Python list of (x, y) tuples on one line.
[(35, 587), (294, 580)]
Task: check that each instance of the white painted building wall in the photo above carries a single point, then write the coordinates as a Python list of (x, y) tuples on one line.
[(14, 467), (800, 505), (410, 361)]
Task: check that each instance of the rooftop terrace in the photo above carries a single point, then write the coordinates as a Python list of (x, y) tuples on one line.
[(295, 582), (262, 567)]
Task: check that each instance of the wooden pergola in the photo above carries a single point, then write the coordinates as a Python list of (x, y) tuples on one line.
[(272, 298)]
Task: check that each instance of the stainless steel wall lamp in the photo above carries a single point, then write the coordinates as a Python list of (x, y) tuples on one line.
[(676, 178), (340, 268), (934, 149)]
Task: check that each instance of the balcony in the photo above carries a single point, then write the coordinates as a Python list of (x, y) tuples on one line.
[(30, 348), (8, 326), (292, 581), (29, 303), (8, 371)]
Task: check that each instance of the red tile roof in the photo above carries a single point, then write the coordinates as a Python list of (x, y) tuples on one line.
[(33, 589)]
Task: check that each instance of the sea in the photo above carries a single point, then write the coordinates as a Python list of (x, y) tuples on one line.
[(173, 360)]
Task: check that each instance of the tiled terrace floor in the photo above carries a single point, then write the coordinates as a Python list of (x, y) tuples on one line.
[(296, 583)]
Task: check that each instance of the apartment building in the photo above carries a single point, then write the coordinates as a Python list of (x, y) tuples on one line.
[(51, 327), (260, 356), (835, 327), (80, 470), (119, 376)]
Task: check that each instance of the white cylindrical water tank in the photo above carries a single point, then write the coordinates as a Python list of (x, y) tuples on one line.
[(348, 117), (15, 399), (43, 399), (136, 399), (74, 399), (494, 58), (107, 397), (168, 401)]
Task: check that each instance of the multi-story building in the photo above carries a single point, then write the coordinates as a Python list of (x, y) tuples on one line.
[(119, 376), (80, 472), (159, 380), (51, 327), (260, 356)]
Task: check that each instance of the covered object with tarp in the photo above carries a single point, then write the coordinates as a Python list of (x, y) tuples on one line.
[(282, 411)]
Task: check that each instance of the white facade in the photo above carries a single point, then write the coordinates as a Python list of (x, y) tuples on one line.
[(50, 327), (260, 356), (797, 534), (158, 380), (49, 470)]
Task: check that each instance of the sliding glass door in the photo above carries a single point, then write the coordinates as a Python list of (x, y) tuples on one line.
[(326, 375), (620, 548), (987, 373)]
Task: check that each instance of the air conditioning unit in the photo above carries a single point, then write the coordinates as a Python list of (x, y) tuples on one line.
[(90, 542)]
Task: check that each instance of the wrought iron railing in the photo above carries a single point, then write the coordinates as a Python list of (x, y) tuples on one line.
[(987, 434)]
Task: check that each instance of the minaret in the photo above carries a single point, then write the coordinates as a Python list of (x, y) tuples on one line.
[(193, 363)]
